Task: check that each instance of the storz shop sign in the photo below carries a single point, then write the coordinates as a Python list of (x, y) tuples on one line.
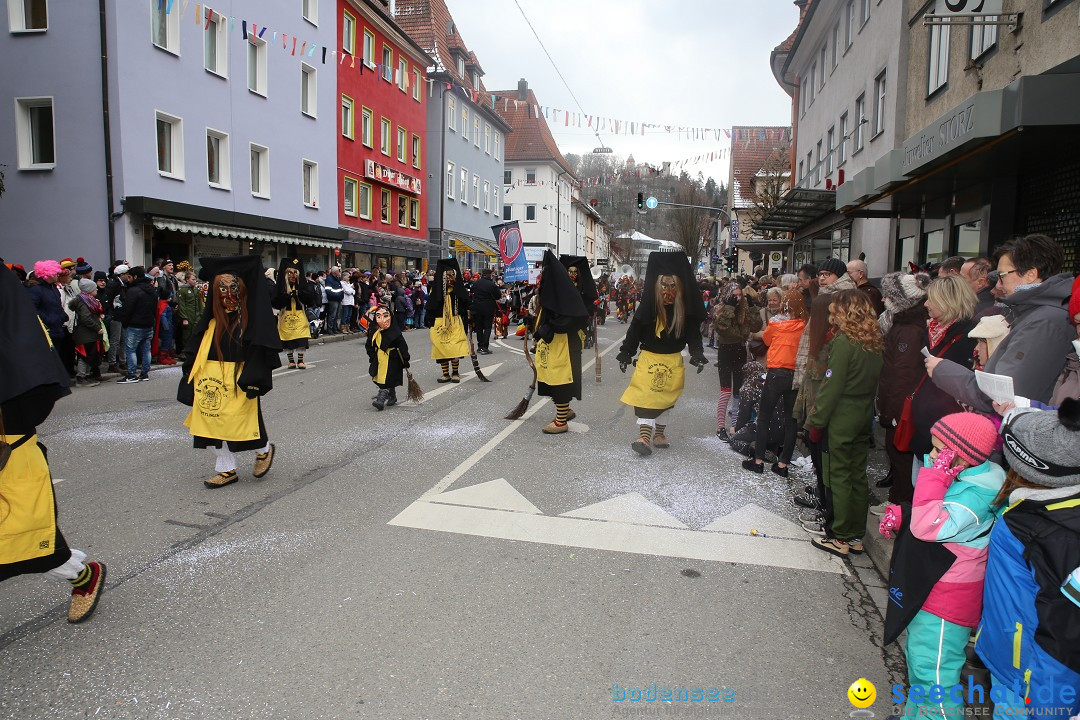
[(977, 118)]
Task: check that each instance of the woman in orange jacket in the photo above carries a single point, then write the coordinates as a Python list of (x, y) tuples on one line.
[(782, 336)]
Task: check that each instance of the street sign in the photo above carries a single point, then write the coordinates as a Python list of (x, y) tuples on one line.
[(602, 150), (651, 203)]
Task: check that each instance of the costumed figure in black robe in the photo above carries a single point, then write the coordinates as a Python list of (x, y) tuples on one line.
[(388, 356), (447, 305), (228, 365), (668, 320), (559, 331), (293, 295), (577, 267), (32, 379)]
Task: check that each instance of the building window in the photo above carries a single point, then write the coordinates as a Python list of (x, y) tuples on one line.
[(363, 201), (260, 171), (508, 176), (508, 212), (812, 84), (384, 205), (939, 58), (530, 213), (498, 141), (860, 120), (216, 45), (311, 11), (476, 191), (402, 139), (879, 104), (835, 44), (308, 90), (387, 63), (809, 165), (347, 116), (983, 37), (256, 62), (817, 166), (475, 80), (487, 196), (849, 35), (463, 186), (170, 146), (416, 151), (36, 133), (402, 210), (476, 129), (28, 15), (217, 159), (369, 48), (831, 145), (530, 176), (865, 11), (494, 198), (487, 138), (416, 85), (311, 183), (461, 67), (451, 112), (165, 27), (802, 173), (824, 59), (451, 179), (465, 124), (366, 127), (384, 136), (843, 139), (348, 196), (348, 32), (403, 74), (414, 213)]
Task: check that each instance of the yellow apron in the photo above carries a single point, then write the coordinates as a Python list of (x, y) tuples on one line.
[(221, 411), (657, 381), (553, 361), (27, 509), (292, 324), (382, 358), (448, 339)]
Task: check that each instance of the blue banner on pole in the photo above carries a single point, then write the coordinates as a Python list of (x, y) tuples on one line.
[(512, 251)]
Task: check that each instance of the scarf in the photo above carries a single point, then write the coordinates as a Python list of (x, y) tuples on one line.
[(91, 302), (937, 331)]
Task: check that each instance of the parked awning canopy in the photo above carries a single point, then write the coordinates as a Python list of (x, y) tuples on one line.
[(227, 231), (471, 244), (796, 208)]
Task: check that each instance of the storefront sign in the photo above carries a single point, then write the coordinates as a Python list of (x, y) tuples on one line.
[(977, 118), (967, 8), (389, 176), (534, 254)]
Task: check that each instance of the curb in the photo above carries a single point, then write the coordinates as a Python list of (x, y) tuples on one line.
[(879, 548)]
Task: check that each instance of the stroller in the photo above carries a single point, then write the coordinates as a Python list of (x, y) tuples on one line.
[(315, 323)]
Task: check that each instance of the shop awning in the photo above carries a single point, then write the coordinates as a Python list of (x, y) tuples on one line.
[(473, 245), (226, 231), (796, 208)]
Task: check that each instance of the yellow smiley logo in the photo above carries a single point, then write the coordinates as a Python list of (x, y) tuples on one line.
[(862, 693)]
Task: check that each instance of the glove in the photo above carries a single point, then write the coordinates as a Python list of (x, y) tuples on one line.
[(252, 392), (890, 521), (699, 361), (624, 359), (544, 332), (945, 463), (814, 434)]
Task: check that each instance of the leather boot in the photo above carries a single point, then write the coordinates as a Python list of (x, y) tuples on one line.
[(392, 399), (380, 400)]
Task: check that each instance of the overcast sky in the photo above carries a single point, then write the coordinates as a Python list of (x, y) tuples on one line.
[(702, 63)]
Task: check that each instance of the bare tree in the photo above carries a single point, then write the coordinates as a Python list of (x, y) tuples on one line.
[(689, 225), (771, 183)]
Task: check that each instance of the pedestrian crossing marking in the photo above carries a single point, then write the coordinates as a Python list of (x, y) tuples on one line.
[(494, 494), (630, 508), (754, 517)]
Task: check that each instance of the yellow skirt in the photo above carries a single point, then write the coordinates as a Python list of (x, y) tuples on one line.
[(27, 513), (293, 325), (553, 361), (448, 341), (657, 382), (222, 411)]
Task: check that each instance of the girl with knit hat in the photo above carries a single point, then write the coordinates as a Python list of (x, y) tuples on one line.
[(1029, 635), (939, 559), (88, 333)]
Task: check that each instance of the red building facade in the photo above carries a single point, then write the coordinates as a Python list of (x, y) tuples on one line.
[(381, 173)]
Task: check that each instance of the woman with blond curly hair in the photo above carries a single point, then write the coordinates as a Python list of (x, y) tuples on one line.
[(841, 419)]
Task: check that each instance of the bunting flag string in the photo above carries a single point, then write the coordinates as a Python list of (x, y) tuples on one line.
[(645, 169)]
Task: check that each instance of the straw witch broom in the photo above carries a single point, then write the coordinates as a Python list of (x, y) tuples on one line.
[(472, 355), (522, 406), (596, 350), (415, 393)]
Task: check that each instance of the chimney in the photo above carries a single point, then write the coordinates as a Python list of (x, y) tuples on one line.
[(523, 89), (803, 6)]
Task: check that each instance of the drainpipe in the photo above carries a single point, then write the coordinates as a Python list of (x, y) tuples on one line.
[(442, 172), (113, 255), (558, 212)]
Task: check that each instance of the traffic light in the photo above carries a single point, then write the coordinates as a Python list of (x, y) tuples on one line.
[(640, 201)]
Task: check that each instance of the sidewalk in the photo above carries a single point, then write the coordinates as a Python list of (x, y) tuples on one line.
[(321, 340)]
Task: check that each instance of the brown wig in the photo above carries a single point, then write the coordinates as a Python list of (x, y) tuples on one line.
[(793, 304), (1013, 480), (817, 327), (853, 314), (234, 323), (675, 329)]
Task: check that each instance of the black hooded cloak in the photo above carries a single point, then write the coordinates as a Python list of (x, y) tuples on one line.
[(562, 311), (586, 284), (436, 294), (642, 330)]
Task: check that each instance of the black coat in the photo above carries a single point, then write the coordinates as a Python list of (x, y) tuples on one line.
[(393, 342), (304, 293), (485, 295), (931, 403), (903, 362), (140, 305)]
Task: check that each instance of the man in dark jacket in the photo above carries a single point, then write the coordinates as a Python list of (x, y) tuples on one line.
[(485, 294), (137, 315), (977, 271), (334, 295), (112, 298)]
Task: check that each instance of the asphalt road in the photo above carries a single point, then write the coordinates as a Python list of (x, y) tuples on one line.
[(433, 561)]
